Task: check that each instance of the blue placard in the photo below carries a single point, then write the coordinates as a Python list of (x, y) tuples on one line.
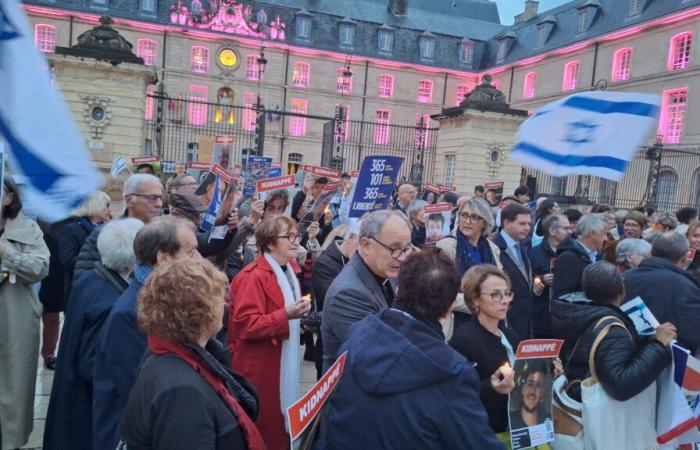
[(257, 168), (375, 184), (274, 172)]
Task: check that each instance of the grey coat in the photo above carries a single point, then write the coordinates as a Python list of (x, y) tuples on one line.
[(353, 295), (26, 261)]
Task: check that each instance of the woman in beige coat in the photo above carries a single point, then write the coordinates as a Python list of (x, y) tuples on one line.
[(24, 260)]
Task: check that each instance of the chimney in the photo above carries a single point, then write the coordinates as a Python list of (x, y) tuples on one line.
[(531, 7), (398, 7)]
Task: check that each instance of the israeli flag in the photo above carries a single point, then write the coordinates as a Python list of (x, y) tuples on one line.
[(44, 147), (590, 133), (118, 166)]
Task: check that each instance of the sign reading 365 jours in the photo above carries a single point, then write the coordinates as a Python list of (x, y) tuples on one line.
[(375, 184)]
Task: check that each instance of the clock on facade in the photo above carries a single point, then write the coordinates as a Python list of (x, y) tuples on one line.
[(228, 57)]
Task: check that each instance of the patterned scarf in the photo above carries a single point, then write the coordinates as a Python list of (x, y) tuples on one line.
[(465, 260)]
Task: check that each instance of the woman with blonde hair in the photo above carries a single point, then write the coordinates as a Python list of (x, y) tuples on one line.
[(185, 396)]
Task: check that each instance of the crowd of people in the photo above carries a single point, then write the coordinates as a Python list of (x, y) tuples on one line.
[(173, 339)]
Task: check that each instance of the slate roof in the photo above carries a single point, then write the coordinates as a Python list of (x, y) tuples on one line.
[(450, 21)]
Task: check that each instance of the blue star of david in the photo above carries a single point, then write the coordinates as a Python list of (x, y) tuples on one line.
[(580, 132), (7, 30)]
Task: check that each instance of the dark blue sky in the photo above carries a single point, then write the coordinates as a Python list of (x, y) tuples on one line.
[(507, 9)]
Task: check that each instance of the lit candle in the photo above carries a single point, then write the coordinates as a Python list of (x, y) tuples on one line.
[(506, 370)]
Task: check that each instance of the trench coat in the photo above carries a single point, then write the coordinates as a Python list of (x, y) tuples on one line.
[(25, 262)]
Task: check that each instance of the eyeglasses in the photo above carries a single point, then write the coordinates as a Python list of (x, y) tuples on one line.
[(396, 253), (291, 237), (534, 384), (150, 198), (499, 297), (470, 217)]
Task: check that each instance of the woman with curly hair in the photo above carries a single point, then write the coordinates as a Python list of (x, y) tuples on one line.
[(186, 397)]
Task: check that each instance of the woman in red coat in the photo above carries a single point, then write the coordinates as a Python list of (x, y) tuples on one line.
[(264, 328)]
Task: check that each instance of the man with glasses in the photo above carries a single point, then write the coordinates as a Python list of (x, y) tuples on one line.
[(143, 196), (363, 287), (182, 184)]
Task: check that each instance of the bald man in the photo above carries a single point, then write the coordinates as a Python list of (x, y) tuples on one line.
[(406, 195)]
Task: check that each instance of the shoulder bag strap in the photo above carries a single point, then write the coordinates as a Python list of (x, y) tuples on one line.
[(614, 322)]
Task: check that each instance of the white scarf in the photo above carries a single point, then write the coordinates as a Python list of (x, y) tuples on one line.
[(290, 367)]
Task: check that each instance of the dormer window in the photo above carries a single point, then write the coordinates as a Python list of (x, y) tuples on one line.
[(502, 48), (427, 47), (261, 17), (635, 7), (385, 41), (302, 24), (347, 34), (581, 21), (148, 6), (466, 52), (541, 35)]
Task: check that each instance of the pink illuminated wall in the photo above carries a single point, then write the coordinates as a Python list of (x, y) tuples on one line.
[(381, 126), (425, 91), (570, 79), (622, 64), (297, 125), (249, 102), (343, 84), (146, 49), (45, 38), (199, 59), (672, 118), (679, 51), (252, 70), (197, 112), (530, 85), (385, 85), (301, 74)]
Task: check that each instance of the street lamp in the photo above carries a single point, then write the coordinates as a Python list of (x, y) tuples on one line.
[(259, 110)]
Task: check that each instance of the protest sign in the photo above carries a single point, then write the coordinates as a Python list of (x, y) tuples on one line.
[(213, 209), (445, 188), (430, 193), (145, 160), (375, 184), (198, 166), (271, 184), (678, 400), (641, 315), (322, 172), (221, 151), (530, 403), (275, 171), (305, 411), (256, 169), (494, 193), (437, 222)]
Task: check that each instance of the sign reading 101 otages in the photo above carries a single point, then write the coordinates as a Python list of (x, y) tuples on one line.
[(375, 184)]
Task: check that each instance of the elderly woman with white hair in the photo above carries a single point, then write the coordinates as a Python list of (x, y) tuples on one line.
[(630, 253), (69, 417)]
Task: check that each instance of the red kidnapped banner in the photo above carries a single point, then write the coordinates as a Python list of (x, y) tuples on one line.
[(438, 208), (432, 188), (322, 171), (539, 348), (223, 173), (270, 184), (145, 159), (198, 166)]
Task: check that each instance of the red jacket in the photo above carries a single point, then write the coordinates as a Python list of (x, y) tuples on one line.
[(257, 326)]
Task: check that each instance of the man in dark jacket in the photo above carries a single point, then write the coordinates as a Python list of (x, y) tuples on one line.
[(556, 229), (670, 292), (143, 195), (121, 342), (517, 220), (363, 286), (399, 367), (69, 416), (573, 255)]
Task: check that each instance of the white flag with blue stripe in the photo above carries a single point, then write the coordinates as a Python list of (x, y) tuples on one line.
[(45, 149), (590, 133), (118, 166)]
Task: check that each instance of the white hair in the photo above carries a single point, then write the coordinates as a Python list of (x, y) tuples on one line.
[(589, 223), (631, 247), (116, 244), (133, 182), (94, 204)]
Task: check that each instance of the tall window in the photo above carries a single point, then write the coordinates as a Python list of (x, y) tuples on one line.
[(466, 52), (530, 85), (570, 76), (148, 5), (300, 74), (45, 38), (150, 104), (449, 170), (252, 70), (622, 61), (679, 51), (541, 34), (303, 27), (347, 35), (462, 90), (146, 49), (666, 188), (425, 91), (249, 113), (343, 83), (385, 41), (199, 59), (559, 185), (297, 125), (261, 17), (673, 115), (635, 7), (385, 86), (345, 122), (581, 21), (420, 134), (427, 48), (198, 96), (381, 127), (502, 48)]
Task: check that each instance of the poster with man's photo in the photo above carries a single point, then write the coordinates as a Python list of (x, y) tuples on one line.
[(437, 222), (222, 151), (494, 193), (257, 168), (530, 403)]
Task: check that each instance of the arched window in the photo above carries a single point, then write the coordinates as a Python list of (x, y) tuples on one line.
[(45, 38), (622, 62), (199, 59), (666, 187), (570, 81), (530, 85), (146, 49), (261, 17), (679, 51), (300, 74)]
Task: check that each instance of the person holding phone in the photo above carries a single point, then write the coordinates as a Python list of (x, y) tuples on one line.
[(264, 328)]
